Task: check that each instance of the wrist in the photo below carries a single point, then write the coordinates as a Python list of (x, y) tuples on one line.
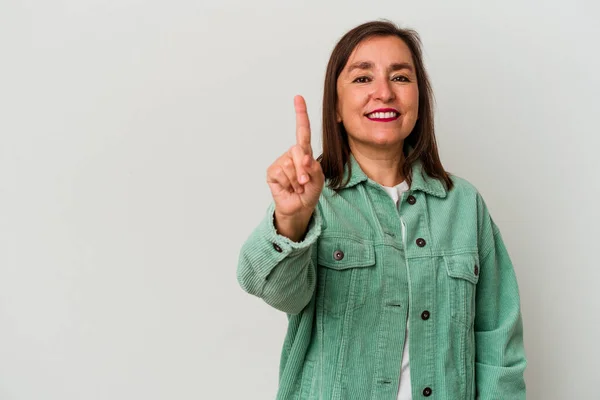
[(293, 227)]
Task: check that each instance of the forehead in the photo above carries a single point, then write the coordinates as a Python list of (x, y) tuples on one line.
[(381, 50)]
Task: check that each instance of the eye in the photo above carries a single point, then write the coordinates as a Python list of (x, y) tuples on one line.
[(361, 79), (400, 78)]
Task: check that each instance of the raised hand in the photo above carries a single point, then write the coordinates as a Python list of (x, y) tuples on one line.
[(296, 180)]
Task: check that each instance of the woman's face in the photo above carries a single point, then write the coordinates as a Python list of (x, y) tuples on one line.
[(378, 96)]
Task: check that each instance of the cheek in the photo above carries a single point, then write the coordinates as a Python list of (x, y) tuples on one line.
[(346, 107), (409, 96), (353, 94), (414, 94), (352, 102)]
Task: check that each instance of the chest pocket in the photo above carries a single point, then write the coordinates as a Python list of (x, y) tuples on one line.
[(463, 273), (343, 267)]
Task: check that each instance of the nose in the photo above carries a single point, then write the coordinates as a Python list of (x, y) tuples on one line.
[(382, 90)]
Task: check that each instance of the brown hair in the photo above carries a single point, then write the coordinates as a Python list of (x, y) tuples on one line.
[(336, 151)]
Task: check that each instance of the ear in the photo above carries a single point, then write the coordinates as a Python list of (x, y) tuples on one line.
[(338, 117)]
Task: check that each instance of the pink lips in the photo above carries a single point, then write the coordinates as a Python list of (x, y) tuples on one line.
[(384, 110)]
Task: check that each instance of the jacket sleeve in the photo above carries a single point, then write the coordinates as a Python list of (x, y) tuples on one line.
[(278, 270), (500, 356)]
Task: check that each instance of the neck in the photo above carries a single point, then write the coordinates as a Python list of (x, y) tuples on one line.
[(383, 167)]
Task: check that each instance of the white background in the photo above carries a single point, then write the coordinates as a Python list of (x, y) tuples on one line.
[(134, 140)]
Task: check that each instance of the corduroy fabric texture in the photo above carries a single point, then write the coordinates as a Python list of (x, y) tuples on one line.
[(350, 285)]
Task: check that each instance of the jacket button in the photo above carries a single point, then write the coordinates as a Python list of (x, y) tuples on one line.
[(276, 247), (411, 200), (476, 271), (421, 242), (338, 255), (425, 315), (427, 392)]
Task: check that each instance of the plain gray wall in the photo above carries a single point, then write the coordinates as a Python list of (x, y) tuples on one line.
[(134, 140)]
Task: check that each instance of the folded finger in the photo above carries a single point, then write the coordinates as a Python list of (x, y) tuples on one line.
[(277, 176), (290, 171)]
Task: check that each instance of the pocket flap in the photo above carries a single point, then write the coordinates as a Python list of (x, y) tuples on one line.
[(344, 252), (463, 266)]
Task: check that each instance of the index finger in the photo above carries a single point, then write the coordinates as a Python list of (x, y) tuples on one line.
[(302, 124)]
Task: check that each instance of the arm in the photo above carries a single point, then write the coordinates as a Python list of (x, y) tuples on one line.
[(278, 270), (500, 356)]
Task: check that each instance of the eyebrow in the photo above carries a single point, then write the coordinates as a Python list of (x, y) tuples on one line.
[(369, 65)]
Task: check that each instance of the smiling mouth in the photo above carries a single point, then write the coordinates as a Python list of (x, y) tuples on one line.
[(383, 116)]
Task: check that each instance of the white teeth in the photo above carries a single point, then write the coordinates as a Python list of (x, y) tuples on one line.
[(380, 115)]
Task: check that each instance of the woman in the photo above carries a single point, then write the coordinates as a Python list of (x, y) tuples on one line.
[(395, 279)]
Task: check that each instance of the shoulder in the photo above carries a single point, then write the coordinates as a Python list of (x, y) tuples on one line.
[(463, 187), (465, 190), (466, 197)]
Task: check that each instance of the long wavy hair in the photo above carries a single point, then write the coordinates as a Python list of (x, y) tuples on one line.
[(420, 143)]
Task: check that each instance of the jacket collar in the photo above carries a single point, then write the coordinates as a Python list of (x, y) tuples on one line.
[(420, 180)]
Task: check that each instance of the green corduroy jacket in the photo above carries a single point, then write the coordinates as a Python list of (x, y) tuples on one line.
[(364, 267)]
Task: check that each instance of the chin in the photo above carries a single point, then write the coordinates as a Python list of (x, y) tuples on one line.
[(386, 139), (380, 139)]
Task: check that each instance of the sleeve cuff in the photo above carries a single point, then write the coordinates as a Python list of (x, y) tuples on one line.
[(286, 244), (272, 247)]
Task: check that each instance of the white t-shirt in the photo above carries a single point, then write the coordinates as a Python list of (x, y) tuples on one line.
[(404, 391)]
